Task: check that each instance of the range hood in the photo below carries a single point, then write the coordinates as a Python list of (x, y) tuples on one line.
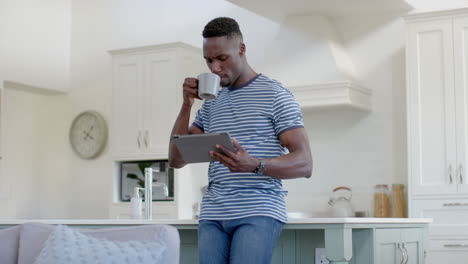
[(314, 63), (345, 94), (308, 57)]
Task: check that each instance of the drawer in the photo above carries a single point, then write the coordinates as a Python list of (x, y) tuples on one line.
[(447, 251), (450, 216)]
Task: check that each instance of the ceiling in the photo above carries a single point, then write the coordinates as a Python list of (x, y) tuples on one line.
[(278, 9)]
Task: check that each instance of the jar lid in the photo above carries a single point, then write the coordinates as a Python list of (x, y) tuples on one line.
[(381, 186), (398, 185)]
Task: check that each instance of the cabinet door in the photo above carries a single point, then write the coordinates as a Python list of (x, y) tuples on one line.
[(431, 108), (411, 244), (188, 246), (403, 245), (285, 248), (460, 31), (387, 250), (127, 108), (160, 101)]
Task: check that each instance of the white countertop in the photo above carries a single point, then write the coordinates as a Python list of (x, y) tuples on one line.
[(358, 220), (291, 221)]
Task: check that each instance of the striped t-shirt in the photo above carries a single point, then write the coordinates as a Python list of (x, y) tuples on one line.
[(255, 115)]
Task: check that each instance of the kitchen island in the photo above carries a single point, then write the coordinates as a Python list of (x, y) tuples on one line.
[(346, 240)]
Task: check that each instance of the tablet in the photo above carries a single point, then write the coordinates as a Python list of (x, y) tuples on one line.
[(196, 148)]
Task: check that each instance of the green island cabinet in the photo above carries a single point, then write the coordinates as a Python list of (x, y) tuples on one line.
[(346, 240)]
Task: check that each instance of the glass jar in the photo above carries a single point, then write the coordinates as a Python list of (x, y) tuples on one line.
[(381, 201), (398, 201)]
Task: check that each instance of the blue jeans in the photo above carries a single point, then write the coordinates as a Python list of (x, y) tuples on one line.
[(239, 241)]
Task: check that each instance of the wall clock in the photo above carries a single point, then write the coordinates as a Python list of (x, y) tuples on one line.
[(88, 134)]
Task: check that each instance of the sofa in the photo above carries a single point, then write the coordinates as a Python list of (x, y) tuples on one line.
[(37, 243)]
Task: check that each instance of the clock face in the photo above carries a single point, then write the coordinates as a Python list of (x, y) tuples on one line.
[(88, 134)]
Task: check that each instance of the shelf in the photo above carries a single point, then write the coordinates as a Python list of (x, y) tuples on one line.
[(152, 48), (30, 88)]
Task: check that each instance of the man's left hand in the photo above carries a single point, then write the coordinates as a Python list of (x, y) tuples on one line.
[(240, 161)]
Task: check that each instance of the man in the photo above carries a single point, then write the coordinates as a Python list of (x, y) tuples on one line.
[(243, 210)]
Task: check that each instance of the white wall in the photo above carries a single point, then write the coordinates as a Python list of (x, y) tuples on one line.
[(34, 50), (35, 155), (358, 149), (35, 42), (350, 148), (355, 149), (98, 27)]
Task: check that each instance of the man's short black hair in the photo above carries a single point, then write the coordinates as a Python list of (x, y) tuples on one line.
[(222, 26)]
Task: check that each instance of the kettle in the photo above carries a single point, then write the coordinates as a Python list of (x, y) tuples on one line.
[(340, 202)]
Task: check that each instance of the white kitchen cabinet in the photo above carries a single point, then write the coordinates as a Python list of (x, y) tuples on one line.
[(147, 95), (448, 251), (127, 120), (431, 107), (460, 31), (450, 216), (399, 246), (437, 105)]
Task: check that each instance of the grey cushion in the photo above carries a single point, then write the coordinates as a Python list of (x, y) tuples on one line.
[(9, 242), (31, 241), (69, 245), (33, 236)]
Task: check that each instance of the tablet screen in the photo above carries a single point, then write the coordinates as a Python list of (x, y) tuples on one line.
[(196, 148)]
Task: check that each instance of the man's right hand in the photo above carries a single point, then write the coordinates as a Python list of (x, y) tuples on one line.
[(190, 91), (181, 125)]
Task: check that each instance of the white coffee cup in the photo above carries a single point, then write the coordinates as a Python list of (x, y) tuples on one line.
[(208, 85)]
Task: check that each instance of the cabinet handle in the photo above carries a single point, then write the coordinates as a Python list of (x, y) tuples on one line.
[(146, 138), (138, 139), (450, 173), (401, 253), (460, 173), (455, 204), (456, 245), (406, 256)]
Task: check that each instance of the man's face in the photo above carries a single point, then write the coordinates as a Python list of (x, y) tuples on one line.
[(223, 57)]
